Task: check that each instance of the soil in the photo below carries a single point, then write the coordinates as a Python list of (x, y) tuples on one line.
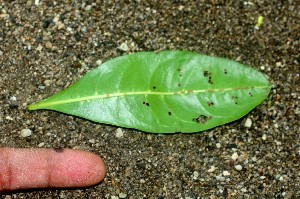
[(47, 45)]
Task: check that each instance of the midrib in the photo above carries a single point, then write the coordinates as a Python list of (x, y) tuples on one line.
[(42, 104)]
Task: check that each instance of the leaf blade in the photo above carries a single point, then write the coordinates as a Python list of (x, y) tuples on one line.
[(173, 91)]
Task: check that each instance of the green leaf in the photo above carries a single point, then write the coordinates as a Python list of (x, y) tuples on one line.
[(166, 92)]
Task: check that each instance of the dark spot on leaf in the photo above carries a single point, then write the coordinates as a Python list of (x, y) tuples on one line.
[(210, 103), (250, 94), (235, 98), (225, 72), (202, 119), (178, 69), (179, 84), (169, 113), (209, 80), (146, 103), (208, 74), (58, 150), (154, 87)]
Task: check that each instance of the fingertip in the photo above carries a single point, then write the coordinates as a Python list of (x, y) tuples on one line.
[(95, 169), (77, 169)]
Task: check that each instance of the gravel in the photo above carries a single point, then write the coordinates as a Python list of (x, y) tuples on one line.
[(25, 133), (45, 46), (238, 167)]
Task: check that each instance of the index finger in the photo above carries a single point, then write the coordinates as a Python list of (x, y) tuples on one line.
[(47, 168)]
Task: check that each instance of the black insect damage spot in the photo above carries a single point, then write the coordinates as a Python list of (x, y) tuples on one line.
[(209, 103), (58, 150), (169, 113), (235, 98), (179, 84), (146, 103), (208, 75), (179, 70), (202, 119), (154, 87), (225, 72), (250, 94)]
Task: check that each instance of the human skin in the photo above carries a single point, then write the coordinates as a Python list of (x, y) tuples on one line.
[(48, 168)]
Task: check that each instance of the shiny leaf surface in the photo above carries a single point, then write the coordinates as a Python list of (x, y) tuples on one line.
[(166, 92)]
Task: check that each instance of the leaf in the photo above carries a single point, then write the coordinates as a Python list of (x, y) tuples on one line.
[(166, 92)]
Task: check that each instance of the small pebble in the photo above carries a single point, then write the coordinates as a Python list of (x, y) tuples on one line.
[(248, 123), (212, 169), (119, 133), (180, 8), (238, 167), (48, 45), (244, 190), (122, 195), (7, 197), (264, 137), (123, 47), (218, 145), (226, 173), (41, 144), (88, 8), (60, 26), (195, 175), (234, 156), (56, 19), (9, 118), (98, 62), (278, 64), (13, 98), (39, 48), (92, 141), (25, 133), (220, 178), (48, 82)]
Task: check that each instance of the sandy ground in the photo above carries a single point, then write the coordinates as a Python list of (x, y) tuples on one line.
[(46, 47)]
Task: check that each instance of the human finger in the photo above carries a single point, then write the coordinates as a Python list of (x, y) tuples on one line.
[(48, 168)]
